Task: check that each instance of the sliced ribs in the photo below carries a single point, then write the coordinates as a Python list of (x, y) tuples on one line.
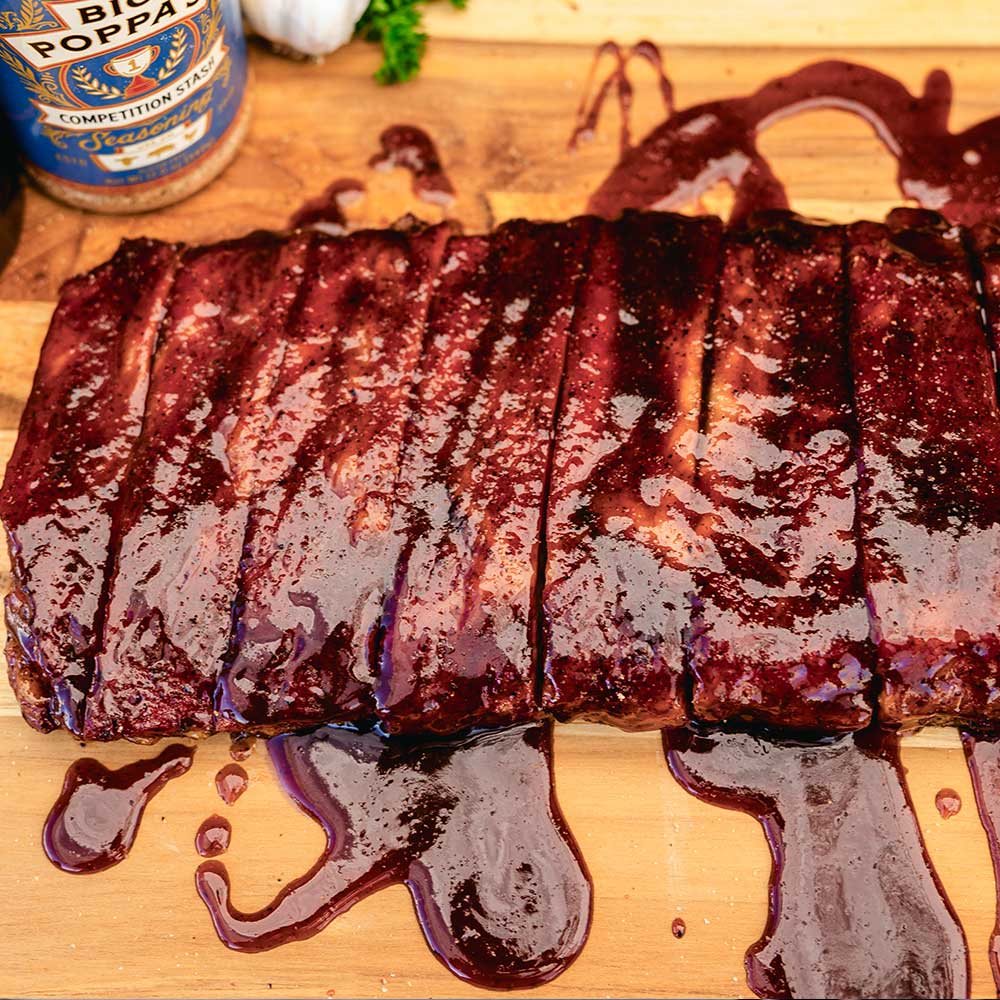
[(621, 538), (458, 647), (321, 551), (64, 478), (781, 629), (179, 532), (930, 461)]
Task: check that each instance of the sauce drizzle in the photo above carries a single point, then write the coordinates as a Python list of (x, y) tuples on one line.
[(855, 907), (956, 174), (982, 755), (94, 822), (470, 825), (411, 147)]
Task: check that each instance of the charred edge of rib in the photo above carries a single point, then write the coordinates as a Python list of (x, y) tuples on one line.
[(537, 631), (854, 428), (978, 275), (114, 536)]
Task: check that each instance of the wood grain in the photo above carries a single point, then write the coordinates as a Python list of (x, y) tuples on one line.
[(499, 93)]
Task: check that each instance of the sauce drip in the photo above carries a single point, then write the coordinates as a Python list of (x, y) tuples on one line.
[(411, 147), (956, 174), (470, 825), (678, 928), (231, 782), (326, 211), (982, 754), (241, 747), (855, 907), (948, 802), (213, 837), (94, 822)]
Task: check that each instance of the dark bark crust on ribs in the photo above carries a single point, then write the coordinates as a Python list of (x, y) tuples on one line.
[(781, 630), (63, 479)]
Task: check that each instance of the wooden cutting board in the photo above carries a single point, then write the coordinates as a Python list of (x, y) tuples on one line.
[(498, 93)]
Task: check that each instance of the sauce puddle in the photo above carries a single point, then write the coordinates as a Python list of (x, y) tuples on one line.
[(94, 822), (470, 825), (325, 212), (855, 907), (982, 755)]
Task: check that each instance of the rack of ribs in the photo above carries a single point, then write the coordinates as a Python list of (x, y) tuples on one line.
[(634, 471)]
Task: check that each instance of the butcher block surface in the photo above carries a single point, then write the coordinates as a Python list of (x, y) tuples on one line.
[(498, 94)]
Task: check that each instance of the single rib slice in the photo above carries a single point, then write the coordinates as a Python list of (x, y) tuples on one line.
[(458, 647), (321, 553), (184, 508), (621, 539), (63, 479), (930, 453), (781, 627)]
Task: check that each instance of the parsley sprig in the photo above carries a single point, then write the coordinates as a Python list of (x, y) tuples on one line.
[(397, 25)]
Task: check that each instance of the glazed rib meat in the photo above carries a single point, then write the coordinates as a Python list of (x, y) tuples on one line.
[(179, 532), (632, 471), (459, 628), (781, 628), (621, 539), (63, 480), (930, 459), (320, 555)]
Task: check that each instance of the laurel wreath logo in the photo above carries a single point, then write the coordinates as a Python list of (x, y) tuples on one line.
[(31, 16), (178, 46), (89, 84)]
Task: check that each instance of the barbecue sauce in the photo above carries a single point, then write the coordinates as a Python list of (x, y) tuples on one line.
[(326, 211), (231, 782), (855, 907), (95, 820), (411, 147), (471, 827), (213, 836), (956, 174)]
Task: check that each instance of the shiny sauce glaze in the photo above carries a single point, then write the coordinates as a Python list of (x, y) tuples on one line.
[(94, 822), (411, 147), (213, 837), (469, 825), (855, 907)]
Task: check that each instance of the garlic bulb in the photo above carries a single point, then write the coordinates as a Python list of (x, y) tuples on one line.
[(305, 27)]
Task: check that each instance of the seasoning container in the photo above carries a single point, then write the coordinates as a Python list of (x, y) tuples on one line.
[(123, 105)]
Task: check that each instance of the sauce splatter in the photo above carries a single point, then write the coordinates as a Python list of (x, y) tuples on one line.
[(855, 907), (213, 837), (94, 822), (470, 825), (982, 755), (326, 211), (956, 174), (231, 782), (411, 147), (948, 802), (678, 928)]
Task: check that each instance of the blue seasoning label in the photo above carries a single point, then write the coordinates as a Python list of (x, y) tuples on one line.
[(113, 93)]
